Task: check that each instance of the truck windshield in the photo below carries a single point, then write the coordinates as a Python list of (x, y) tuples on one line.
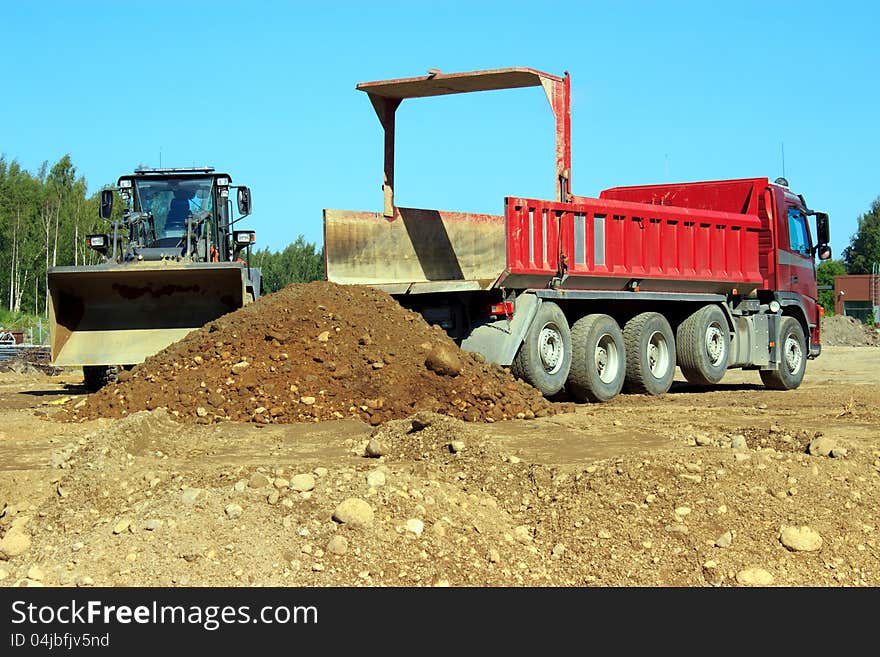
[(171, 201)]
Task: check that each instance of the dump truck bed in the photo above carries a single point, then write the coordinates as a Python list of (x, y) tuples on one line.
[(588, 244)]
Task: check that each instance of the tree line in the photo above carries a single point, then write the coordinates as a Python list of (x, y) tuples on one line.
[(857, 258), (45, 216)]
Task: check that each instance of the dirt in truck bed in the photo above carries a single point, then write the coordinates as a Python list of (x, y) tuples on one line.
[(318, 351)]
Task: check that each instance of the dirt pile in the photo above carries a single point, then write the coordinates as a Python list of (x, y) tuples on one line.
[(844, 331), (318, 351)]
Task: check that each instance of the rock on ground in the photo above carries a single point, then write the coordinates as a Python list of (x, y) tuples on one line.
[(754, 577), (14, 543), (800, 539), (302, 482), (355, 512)]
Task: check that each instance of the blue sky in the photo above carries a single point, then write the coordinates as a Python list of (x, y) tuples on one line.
[(661, 92)]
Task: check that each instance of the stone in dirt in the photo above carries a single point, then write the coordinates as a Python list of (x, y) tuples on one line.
[(444, 360), (302, 482), (121, 526), (193, 496), (258, 480), (355, 512), (415, 526), (456, 446), (14, 543), (800, 539), (754, 577), (36, 573), (739, 442), (375, 449), (233, 511), (724, 540), (375, 479), (821, 446), (337, 545)]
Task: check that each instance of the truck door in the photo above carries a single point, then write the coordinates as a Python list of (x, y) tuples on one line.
[(797, 270)]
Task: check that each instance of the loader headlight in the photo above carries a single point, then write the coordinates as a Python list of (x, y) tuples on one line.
[(98, 242), (244, 237)]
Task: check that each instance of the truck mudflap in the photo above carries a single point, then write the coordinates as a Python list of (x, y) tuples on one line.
[(121, 314)]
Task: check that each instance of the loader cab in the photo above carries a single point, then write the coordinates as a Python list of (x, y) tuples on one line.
[(170, 202), (178, 213)]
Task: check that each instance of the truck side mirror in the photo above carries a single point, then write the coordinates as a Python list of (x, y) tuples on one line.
[(824, 252), (244, 201), (823, 235), (106, 209)]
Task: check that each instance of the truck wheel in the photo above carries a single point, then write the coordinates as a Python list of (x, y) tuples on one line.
[(544, 357), (598, 359), (794, 358), (650, 354), (703, 346), (96, 377)]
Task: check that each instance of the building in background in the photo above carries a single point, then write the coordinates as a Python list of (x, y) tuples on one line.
[(858, 295)]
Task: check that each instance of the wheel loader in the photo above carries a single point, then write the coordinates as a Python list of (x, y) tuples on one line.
[(170, 264)]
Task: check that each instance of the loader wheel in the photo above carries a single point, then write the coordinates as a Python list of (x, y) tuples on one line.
[(544, 357), (793, 358), (96, 377), (598, 359), (650, 354), (704, 346)]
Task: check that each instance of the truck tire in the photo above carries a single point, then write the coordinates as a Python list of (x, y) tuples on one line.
[(703, 347), (598, 360), (794, 357), (650, 354), (96, 377), (544, 357)]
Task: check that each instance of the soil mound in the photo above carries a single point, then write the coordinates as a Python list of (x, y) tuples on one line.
[(318, 351), (845, 331)]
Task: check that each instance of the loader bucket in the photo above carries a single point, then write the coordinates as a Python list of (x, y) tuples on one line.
[(121, 314)]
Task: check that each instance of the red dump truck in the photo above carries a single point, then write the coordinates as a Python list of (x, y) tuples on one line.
[(596, 295)]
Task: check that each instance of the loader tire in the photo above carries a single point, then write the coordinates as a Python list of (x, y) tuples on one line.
[(703, 346), (544, 357), (96, 377), (598, 360), (650, 354), (793, 361)]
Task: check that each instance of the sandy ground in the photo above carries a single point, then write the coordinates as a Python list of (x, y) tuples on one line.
[(694, 488)]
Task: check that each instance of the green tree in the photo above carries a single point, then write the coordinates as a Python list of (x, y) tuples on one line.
[(864, 247), (825, 273)]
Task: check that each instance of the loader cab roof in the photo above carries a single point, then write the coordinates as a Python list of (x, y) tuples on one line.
[(176, 174)]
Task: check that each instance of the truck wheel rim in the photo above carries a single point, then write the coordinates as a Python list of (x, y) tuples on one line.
[(716, 345), (794, 356), (551, 348), (607, 358), (657, 354)]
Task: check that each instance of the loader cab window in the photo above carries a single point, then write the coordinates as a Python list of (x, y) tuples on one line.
[(799, 237), (171, 201)]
